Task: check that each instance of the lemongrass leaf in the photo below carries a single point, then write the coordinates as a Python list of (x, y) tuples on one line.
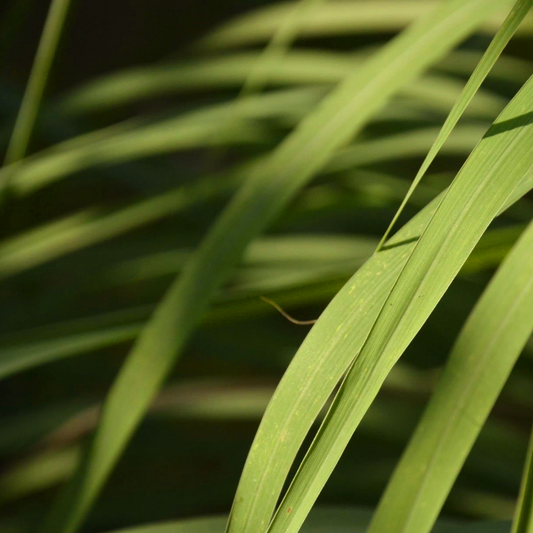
[(31, 348), (276, 48), (322, 360), (31, 102), (492, 172), (262, 197), (479, 365), (55, 239), (297, 67), (523, 520), (498, 43), (332, 18)]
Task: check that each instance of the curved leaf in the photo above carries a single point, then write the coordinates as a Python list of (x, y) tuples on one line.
[(297, 67), (482, 70), (480, 190), (262, 197), (332, 18), (479, 365)]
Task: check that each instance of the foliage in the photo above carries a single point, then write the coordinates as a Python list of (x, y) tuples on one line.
[(150, 214)]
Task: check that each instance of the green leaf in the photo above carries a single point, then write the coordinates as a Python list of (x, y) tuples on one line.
[(31, 102), (479, 365), (509, 27), (55, 239), (523, 520), (403, 145), (267, 191), (37, 474), (315, 370), (478, 193), (35, 347), (277, 47), (216, 125), (321, 520), (196, 129), (92, 226), (332, 18), (297, 67)]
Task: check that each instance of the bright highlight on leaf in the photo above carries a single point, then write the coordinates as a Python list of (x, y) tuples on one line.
[(172, 207)]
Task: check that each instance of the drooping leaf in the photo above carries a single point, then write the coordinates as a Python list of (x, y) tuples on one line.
[(32, 348), (297, 67), (33, 95), (523, 520), (332, 18)]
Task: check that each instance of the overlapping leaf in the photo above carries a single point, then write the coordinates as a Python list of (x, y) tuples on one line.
[(481, 361), (331, 18), (262, 197)]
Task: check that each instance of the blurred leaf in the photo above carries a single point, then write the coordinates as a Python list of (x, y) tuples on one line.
[(297, 67), (333, 18), (39, 473), (523, 521), (30, 348), (277, 47), (322, 520), (92, 226), (197, 129), (31, 102), (262, 197)]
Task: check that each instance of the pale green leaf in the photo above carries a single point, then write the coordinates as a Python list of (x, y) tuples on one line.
[(480, 363), (267, 191), (333, 18), (483, 185), (297, 67), (482, 70)]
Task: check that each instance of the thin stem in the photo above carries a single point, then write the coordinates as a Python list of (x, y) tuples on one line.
[(31, 102), (280, 310), (277, 47), (523, 520)]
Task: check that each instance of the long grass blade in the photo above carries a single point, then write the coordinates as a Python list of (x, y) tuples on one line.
[(480, 363), (333, 18), (496, 47), (276, 48), (523, 520), (32, 348), (180, 133), (492, 172), (320, 363), (92, 226), (297, 67), (262, 197), (18, 145)]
